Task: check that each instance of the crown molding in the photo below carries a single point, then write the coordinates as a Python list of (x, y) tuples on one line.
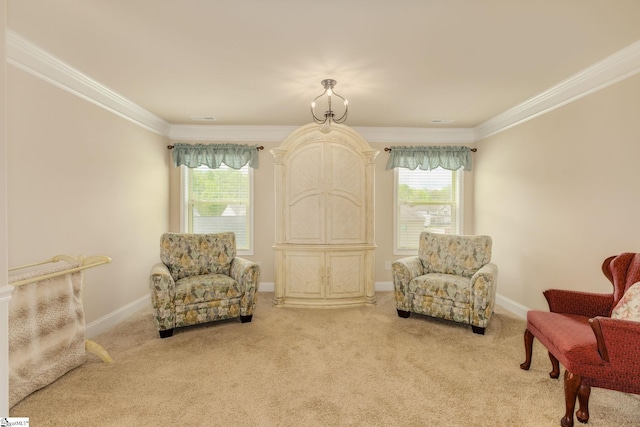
[(614, 68), (23, 54), (417, 135), (278, 133), (229, 133)]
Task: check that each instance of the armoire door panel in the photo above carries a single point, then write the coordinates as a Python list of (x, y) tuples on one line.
[(305, 274), (305, 220), (346, 171), (306, 171), (305, 210), (345, 274), (345, 220)]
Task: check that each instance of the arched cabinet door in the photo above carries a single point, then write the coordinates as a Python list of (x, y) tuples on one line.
[(345, 213), (305, 198), (324, 248)]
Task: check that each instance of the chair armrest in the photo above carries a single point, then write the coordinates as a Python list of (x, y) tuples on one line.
[(162, 286), (246, 273), (619, 344), (581, 303), (405, 270), (484, 282)]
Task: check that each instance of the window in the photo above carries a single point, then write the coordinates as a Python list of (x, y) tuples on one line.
[(219, 200), (425, 201)]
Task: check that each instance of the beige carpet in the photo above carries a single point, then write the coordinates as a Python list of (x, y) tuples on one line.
[(303, 367)]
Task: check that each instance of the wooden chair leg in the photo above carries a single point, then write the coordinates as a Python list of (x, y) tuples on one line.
[(555, 372), (583, 398), (572, 383), (528, 350), (478, 330), (166, 333)]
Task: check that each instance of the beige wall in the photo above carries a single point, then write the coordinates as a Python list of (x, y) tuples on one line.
[(5, 291), (264, 205), (82, 180), (3, 148), (559, 194)]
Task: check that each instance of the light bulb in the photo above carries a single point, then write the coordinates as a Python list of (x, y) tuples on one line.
[(325, 128)]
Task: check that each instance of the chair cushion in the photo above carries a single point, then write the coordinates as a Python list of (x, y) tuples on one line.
[(568, 337), (207, 287), (454, 254), (628, 308), (196, 254), (625, 271), (443, 286)]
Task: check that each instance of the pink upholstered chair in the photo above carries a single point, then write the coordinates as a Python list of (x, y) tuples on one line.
[(579, 332)]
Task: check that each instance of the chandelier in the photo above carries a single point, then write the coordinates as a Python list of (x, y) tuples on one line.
[(329, 114)]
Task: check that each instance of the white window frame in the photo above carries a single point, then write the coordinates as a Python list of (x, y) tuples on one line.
[(459, 217), (184, 219)]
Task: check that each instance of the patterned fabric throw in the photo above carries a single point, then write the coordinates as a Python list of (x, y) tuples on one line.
[(46, 329)]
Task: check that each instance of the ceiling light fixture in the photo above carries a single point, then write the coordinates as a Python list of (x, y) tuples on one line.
[(329, 114)]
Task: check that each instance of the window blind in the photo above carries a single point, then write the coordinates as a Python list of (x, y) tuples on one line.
[(219, 200), (426, 200)]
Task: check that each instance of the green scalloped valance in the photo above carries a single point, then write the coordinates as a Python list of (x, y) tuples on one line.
[(430, 157), (213, 155)]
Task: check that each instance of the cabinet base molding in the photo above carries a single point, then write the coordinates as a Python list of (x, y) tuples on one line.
[(323, 304)]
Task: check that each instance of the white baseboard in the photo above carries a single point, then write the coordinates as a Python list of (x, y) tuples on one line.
[(514, 307), (379, 286), (104, 323), (384, 286), (504, 302), (110, 320), (266, 287)]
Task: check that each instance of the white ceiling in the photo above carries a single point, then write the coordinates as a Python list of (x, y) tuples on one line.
[(400, 63)]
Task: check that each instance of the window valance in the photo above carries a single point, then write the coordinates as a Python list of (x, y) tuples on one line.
[(213, 155), (430, 157)]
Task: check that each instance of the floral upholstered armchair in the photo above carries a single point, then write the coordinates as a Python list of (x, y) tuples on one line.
[(452, 278), (199, 280)]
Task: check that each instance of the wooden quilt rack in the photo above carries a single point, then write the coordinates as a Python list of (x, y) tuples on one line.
[(84, 263)]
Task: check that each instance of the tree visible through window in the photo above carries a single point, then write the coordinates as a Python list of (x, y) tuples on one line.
[(426, 201), (219, 200)]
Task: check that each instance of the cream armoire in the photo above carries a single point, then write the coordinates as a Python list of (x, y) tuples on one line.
[(324, 250)]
